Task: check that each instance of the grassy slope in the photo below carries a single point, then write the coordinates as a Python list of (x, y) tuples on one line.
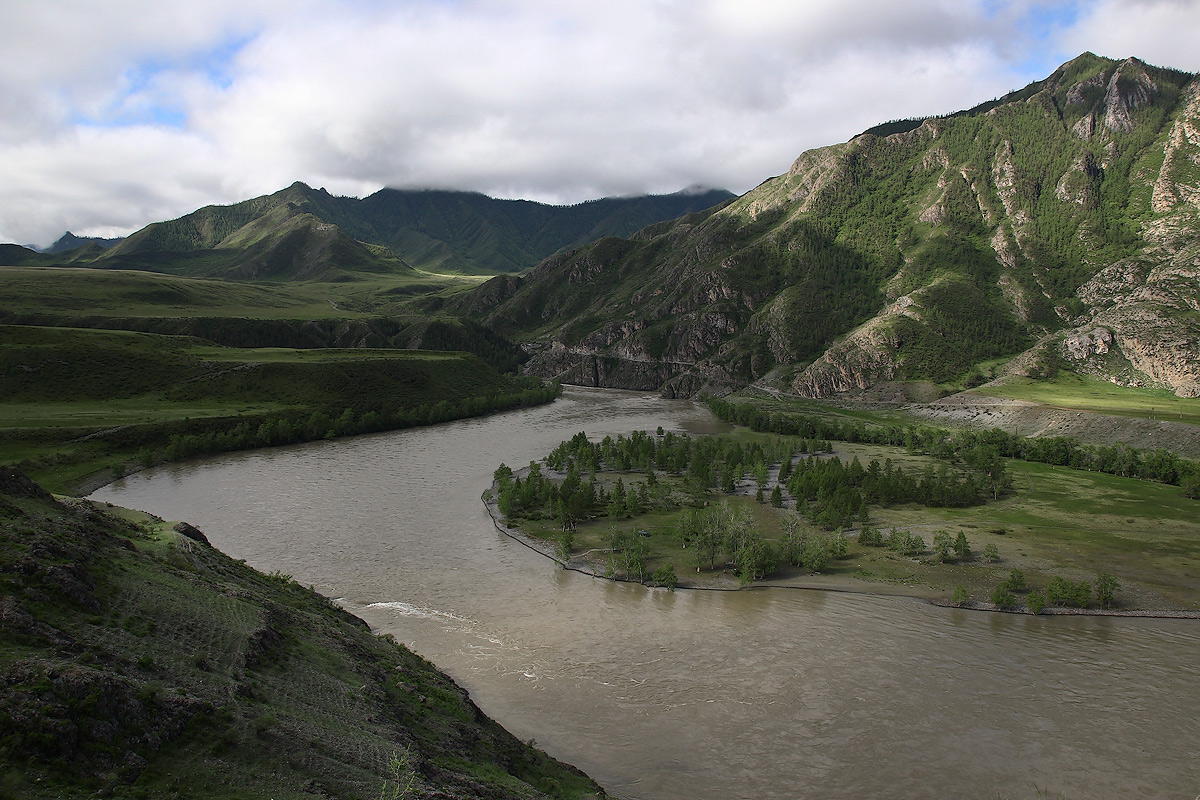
[(1079, 393), (67, 292), (138, 662), (62, 387)]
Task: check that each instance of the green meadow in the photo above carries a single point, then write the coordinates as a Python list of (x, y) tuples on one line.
[(1080, 393), (64, 293), (80, 406)]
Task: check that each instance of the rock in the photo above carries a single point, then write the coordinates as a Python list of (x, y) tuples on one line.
[(191, 532)]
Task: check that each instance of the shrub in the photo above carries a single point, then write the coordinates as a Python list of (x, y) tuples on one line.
[(1003, 597), (665, 576), (1036, 601)]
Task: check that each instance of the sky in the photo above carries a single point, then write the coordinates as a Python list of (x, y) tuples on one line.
[(116, 115)]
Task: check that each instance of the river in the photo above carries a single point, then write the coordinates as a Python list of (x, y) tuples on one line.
[(769, 693)]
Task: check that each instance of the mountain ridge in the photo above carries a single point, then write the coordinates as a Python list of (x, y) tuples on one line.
[(924, 254), (301, 233)]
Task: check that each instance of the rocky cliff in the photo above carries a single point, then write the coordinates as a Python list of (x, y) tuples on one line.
[(1063, 215)]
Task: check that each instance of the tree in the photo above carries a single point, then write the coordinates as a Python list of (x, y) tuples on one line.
[(960, 595), (816, 555), (1016, 580), (1003, 597), (1106, 589), (565, 544), (1036, 601), (870, 536), (943, 546), (839, 545), (962, 548), (991, 553), (665, 576)]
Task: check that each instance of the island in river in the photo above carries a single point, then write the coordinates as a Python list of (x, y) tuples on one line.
[(761, 510)]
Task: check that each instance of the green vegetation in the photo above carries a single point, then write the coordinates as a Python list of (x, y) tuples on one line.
[(982, 225), (304, 233), (82, 297), (77, 404), (138, 661), (938, 516), (984, 450), (828, 494), (1080, 393)]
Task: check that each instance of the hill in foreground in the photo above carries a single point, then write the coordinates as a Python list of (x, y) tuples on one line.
[(137, 661)]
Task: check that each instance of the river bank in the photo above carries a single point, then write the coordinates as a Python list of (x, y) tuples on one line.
[(593, 562)]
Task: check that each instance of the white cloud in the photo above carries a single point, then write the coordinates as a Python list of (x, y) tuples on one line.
[(113, 116), (1162, 32)]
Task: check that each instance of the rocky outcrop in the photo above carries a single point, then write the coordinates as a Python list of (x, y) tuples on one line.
[(801, 277), (583, 367), (868, 356), (1129, 89)]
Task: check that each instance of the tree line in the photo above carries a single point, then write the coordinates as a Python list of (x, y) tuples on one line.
[(301, 425), (979, 448), (829, 493)]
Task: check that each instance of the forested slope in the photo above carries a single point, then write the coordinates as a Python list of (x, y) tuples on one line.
[(1063, 215)]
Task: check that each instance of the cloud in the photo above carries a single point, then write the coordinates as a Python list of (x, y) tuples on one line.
[(1162, 32), (111, 119)]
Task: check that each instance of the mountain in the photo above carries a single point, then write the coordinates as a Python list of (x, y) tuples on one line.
[(1058, 223), (463, 232), (69, 241), (282, 236), (139, 661), (303, 233)]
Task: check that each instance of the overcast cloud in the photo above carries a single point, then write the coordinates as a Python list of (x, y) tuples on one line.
[(115, 115)]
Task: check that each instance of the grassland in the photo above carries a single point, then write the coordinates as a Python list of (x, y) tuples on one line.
[(139, 662), (1057, 522), (1080, 393), (82, 405), (66, 292)]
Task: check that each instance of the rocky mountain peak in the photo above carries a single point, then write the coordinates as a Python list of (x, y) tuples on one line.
[(1129, 89)]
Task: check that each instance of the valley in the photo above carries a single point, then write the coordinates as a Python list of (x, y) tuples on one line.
[(989, 319)]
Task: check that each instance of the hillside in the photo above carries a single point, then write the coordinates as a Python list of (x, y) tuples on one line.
[(138, 661), (77, 406), (300, 233), (277, 237), (1058, 223)]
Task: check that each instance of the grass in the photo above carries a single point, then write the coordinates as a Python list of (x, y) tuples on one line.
[(65, 292), (74, 403), (1080, 393)]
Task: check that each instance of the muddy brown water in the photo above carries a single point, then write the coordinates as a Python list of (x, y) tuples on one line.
[(770, 693)]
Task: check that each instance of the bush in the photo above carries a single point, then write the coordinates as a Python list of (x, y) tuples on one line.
[(1035, 601), (960, 595), (665, 576), (1068, 593), (1003, 597)]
